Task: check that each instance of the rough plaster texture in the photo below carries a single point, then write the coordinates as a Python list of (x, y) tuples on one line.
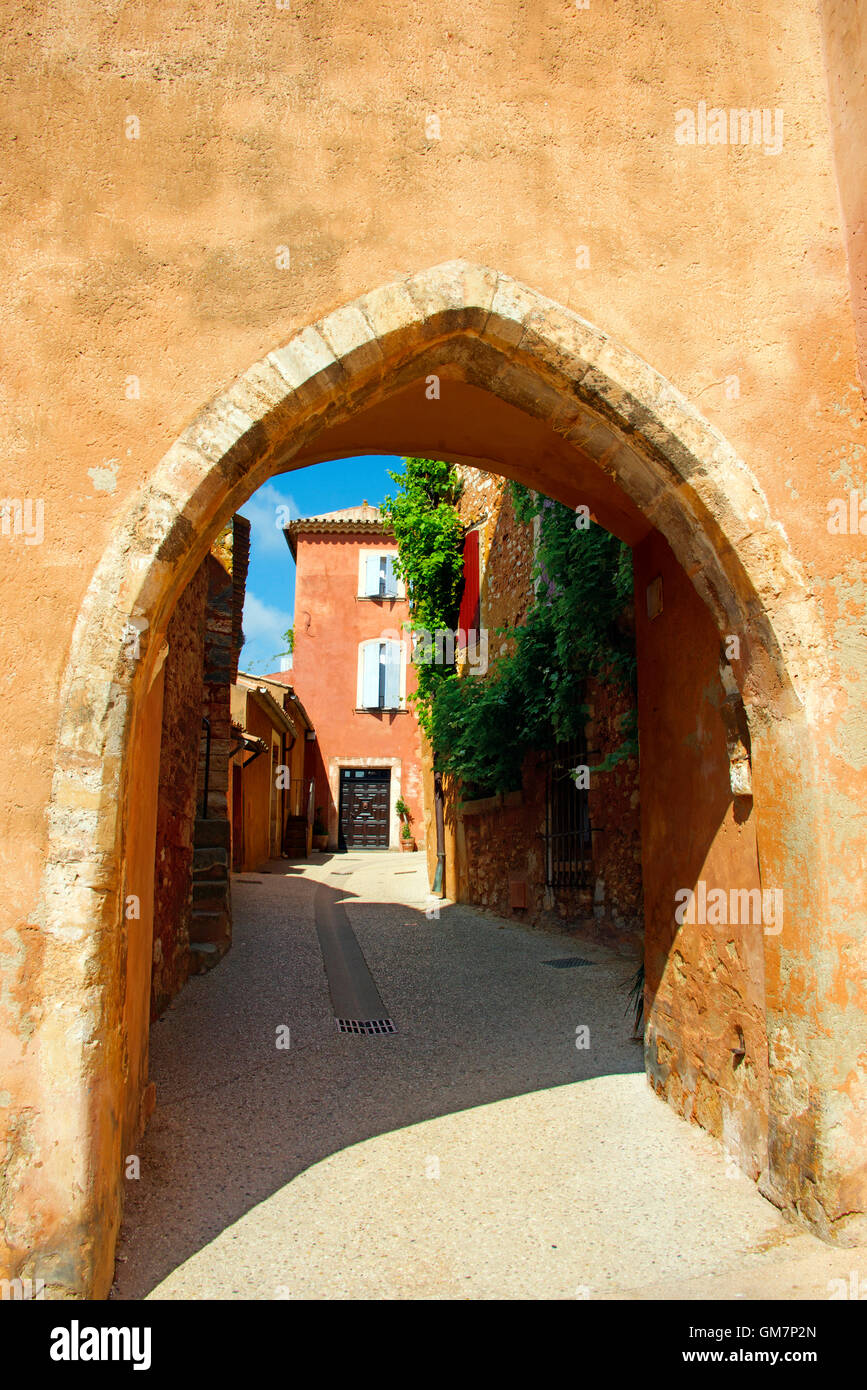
[(705, 992), (845, 33), (157, 259)]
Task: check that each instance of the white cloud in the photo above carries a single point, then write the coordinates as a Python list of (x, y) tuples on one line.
[(268, 511), (264, 625)]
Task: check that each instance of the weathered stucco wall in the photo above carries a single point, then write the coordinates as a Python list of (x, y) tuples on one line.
[(705, 994), (258, 790), (118, 1129), (845, 30), (186, 189)]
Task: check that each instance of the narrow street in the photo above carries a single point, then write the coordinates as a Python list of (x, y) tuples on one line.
[(475, 1153)]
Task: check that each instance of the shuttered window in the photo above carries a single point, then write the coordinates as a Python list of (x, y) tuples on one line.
[(379, 675), (378, 579), (468, 619)]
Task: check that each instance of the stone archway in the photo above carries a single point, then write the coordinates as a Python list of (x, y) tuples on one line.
[(641, 434)]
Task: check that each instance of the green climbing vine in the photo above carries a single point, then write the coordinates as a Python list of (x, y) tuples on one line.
[(482, 726), (427, 528)]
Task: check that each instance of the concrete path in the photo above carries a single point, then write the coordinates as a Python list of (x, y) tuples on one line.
[(474, 1154)]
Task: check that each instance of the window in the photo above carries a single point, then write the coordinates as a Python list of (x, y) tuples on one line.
[(381, 675), (376, 576)]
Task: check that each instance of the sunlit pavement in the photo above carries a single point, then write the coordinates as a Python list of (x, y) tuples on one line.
[(474, 1154)]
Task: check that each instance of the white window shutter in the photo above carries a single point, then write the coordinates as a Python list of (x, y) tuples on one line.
[(370, 677), (371, 575), (392, 675), (390, 577)]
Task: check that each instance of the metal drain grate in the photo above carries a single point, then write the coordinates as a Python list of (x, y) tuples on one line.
[(367, 1025), (567, 962), (248, 880)]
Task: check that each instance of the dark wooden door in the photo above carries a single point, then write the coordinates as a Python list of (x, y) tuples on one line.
[(365, 794)]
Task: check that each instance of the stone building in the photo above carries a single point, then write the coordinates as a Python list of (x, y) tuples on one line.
[(547, 850), (230, 257)]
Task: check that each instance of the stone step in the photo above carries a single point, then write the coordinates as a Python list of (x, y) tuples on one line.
[(204, 955), (210, 831), (209, 925), (210, 856), (217, 873), (211, 894)]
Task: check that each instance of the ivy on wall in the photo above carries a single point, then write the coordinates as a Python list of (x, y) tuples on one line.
[(427, 528), (482, 727)]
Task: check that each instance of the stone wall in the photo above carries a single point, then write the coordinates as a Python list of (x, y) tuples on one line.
[(500, 842), (220, 668), (179, 761)]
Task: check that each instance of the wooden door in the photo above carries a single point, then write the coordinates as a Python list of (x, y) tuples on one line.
[(365, 797)]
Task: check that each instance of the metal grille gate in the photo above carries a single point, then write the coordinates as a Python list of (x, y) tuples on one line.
[(568, 858)]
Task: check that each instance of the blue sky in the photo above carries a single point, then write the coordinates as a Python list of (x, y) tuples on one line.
[(325, 487)]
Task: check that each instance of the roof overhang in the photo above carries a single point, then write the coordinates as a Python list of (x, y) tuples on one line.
[(319, 527)]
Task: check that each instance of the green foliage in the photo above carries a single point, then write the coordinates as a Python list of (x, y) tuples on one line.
[(289, 639), (481, 727), (429, 539), (533, 697)]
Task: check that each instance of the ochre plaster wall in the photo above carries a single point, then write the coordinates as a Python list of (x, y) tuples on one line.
[(136, 934), (845, 30), (704, 982), (144, 274), (258, 790)]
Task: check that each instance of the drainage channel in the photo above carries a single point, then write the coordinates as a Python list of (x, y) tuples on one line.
[(355, 999)]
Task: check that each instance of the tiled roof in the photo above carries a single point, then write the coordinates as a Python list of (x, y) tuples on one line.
[(364, 519)]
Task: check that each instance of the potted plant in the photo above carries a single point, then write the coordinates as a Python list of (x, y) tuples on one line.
[(320, 831), (406, 836)]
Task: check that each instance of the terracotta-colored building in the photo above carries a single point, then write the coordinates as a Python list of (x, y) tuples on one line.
[(351, 668), (270, 804)]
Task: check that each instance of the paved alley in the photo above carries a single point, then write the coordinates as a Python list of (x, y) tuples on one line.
[(475, 1153)]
